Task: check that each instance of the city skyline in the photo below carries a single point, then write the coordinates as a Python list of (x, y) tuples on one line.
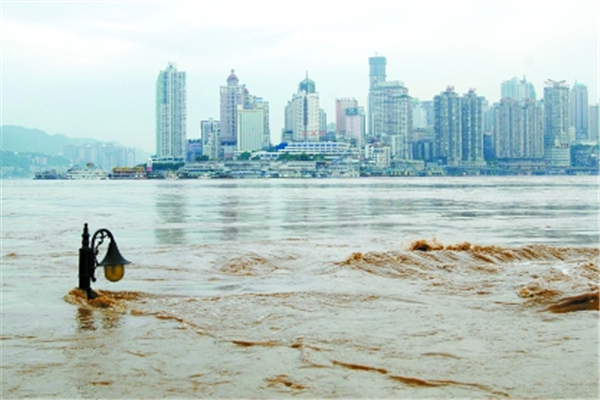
[(100, 60)]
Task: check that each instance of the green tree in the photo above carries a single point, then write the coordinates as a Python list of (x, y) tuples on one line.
[(245, 156)]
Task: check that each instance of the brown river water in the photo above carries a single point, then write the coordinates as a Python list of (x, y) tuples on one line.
[(429, 288)]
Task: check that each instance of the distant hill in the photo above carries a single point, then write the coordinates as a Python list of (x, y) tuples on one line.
[(20, 139), (23, 140)]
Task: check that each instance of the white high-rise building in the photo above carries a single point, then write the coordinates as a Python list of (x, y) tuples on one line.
[(231, 95), (250, 129), (171, 114), (391, 113), (303, 115)]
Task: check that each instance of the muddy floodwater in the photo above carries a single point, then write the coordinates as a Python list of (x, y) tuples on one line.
[(472, 287)]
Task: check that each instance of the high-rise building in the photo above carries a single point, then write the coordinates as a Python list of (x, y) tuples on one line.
[(556, 114), (518, 129), (391, 110), (210, 132), (171, 114), (376, 76), (354, 126), (517, 89), (472, 128), (260, 103), (340, 114), (579, 111), (250, 129), (232, 96), (302, 113), (557, 127), (419, 115), (448, 127)]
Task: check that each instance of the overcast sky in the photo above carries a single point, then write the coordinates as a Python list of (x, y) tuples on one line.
[(89, 69)]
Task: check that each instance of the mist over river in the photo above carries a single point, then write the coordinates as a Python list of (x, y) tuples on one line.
[(430, 287)]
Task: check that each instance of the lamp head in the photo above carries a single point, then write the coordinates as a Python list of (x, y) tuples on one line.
[(113, 263)]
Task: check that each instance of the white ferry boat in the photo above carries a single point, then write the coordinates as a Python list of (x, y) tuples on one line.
[(89, 172)]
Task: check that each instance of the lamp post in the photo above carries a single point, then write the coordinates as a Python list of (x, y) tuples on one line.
[(113, 262)]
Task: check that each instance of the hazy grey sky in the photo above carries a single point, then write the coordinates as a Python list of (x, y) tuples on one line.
[(88, 69)]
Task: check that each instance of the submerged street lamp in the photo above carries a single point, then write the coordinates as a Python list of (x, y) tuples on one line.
[(113, 262)]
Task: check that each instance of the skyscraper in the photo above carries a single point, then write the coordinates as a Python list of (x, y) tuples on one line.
[(391, 111), (354, 123), (303, 115), (579, 111), (517, 129), (231, 96), (557, 132), (171, 114), (448, 127), (376, 76), (250, 129), (556, 114), (472, 127), (340, 114)]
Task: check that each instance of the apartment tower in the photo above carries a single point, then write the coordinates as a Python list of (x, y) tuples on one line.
[(171, 114), (232, 95)]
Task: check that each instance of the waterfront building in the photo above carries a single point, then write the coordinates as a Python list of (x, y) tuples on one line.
[(448, 127), (379, 155), (303, 115), (232, 95), (579, 111), (472, 129), (171, 114), (315, 148), (210, 132), (557, 126), (193, 149), (517, 89)]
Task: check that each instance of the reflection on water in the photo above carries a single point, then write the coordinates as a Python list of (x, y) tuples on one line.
[(87, 320), (171, 204), (229, 218)]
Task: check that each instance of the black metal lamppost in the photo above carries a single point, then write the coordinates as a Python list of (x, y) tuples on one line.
[(113, 262)]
